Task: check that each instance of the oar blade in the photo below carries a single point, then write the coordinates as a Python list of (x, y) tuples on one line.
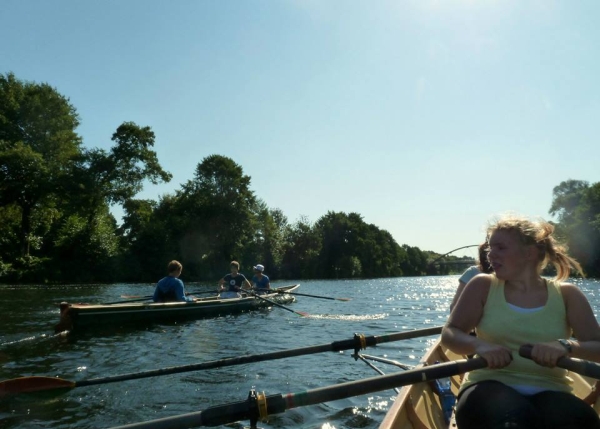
[(32, 384), (344, 299)]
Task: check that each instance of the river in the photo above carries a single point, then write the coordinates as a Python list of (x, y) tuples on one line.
[(28, 347)]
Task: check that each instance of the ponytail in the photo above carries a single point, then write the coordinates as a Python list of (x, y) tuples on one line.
[(540, 234), (555, 253)]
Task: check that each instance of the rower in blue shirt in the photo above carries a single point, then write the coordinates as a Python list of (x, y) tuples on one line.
[(170, 288), (231, 284), (260, 281)]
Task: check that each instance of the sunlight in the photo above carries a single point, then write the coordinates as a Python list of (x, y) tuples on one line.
[(349, 317)]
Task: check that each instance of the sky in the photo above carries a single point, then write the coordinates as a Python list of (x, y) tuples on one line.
[(427, 117)]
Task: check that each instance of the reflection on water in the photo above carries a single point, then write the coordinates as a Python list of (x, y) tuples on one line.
[(348, 317), (29, 347)]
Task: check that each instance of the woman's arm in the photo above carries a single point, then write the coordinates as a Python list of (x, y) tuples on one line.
[(583, 322), (464, 318), (459, 290)]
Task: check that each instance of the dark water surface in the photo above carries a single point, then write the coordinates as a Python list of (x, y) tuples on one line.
[(29, 347)]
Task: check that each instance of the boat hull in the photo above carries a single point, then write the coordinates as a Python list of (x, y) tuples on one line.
[(417, 406), (76, 317)]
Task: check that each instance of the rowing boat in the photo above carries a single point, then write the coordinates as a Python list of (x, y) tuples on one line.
[(419, 405), (75, 317)]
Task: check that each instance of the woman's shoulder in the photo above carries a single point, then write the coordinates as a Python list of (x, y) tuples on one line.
[(566, 289), (482, 283)]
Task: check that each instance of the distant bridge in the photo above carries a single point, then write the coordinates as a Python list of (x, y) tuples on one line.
[(462, 262)]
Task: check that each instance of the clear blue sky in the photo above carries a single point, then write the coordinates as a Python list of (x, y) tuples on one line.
[(426, 117)]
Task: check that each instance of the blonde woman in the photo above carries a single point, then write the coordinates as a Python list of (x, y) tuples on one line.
[(515, 306)]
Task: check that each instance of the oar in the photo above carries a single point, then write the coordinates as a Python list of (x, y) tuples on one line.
[(257, 406), (313, 296), (300, 313), (358, 356), (126, 301), (187, 293), (138, 298), (383, 360), (37, 383), (580, 366)]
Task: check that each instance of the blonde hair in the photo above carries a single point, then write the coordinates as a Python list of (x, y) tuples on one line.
[(539, 234)]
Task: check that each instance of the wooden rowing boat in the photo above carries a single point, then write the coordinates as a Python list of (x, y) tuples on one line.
[(418, 406), (75, 317)]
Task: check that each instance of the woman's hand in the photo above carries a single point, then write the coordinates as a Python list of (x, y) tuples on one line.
[(547, 354), (496, 356)]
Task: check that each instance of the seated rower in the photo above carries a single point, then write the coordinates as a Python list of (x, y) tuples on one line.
[(260, 281), (231, 284), (170, 288)]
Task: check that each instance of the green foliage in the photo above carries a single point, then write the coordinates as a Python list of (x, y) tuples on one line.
[(577, 206), (37, 144), (302, 245), (84, 252), (267, 240), (39, 117), (416, 262), (27, 269), (103, 178), (215, 210), (10, 223)]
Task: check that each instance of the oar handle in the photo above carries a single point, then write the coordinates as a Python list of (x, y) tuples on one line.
[(580, 366)]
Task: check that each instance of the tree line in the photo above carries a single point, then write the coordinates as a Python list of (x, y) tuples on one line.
[(56, 224)]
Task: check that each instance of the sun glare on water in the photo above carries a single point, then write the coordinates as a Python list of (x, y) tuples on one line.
[(350, 317)]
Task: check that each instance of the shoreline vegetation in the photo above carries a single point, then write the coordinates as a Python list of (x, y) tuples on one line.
[(56, 226)]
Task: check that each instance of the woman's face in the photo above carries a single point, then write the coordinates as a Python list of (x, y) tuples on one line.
[(507, 255)]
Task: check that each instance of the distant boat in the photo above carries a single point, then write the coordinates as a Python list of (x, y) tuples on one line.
[(78, 317)]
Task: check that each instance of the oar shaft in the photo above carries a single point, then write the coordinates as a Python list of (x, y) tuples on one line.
[(148, 297), (240, 360), (375, 368), (277, 404), (127, 301), (275, 303), (356, 343), (374, 384), (313, 296), (383, 360), (336, 346)]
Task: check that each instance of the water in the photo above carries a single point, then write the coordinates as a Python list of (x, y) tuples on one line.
[(28, 346)]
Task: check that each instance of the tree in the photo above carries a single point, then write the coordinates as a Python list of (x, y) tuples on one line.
[(339, 232), (104, 178), (216, 209), (577, 206), (302, 246), (268, 230), (566, 198), (38, 142)]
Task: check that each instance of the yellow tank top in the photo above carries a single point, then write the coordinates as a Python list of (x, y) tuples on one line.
[(505, 326)]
